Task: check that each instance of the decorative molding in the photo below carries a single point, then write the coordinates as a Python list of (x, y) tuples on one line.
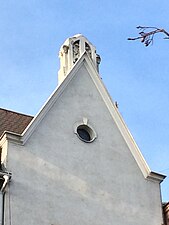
[(88, 127), (156, 177), (10, 136), (85, 120)]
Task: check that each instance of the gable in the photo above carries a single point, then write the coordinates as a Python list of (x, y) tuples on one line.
[(82, 182), (82, 67), (82, 100)]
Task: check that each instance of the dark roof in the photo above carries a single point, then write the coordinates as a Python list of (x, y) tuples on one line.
[(13, 121)]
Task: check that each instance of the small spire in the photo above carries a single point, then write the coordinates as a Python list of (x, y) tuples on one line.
[(71, 50)]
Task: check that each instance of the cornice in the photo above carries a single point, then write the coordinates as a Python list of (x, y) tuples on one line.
[(10, 136)]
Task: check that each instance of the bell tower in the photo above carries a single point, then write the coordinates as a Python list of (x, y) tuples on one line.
[(71, 50)]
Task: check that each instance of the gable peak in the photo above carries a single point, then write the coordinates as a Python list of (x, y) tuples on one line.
[(71, 50)]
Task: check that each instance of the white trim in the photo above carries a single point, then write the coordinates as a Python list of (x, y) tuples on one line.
[(157, 177), (86, 123), (10, 136), (118, 119), (49, 103)]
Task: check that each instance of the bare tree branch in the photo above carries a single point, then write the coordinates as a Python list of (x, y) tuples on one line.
[(148, 36)]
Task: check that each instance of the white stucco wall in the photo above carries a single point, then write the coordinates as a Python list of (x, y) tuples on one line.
[(60, 180)]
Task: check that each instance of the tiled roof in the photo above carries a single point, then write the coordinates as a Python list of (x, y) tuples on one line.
[(13, 121), (166, 213)]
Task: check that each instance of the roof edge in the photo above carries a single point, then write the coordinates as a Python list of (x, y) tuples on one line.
[(52, 99), (12, 111), (147, 173)]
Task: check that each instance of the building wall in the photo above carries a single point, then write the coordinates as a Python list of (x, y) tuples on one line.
[(59, 180)]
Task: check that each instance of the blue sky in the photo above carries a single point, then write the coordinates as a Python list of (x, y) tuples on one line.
[(31, 33)]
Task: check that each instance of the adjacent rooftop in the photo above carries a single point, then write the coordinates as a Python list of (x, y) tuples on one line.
[(13, 121)]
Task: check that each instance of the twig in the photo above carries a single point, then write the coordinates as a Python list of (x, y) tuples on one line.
[(148, 37)]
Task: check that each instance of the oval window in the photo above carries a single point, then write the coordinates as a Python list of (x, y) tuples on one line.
[(85, 133)]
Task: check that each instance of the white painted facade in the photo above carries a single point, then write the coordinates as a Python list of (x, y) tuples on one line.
[(57, 179)]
